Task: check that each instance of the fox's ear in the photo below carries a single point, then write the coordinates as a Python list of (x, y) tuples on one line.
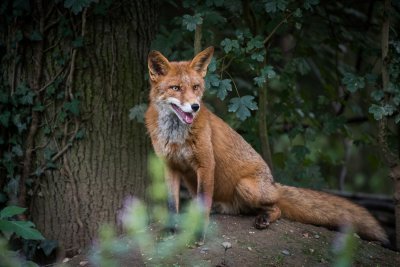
[(158, 65), (201, 60)]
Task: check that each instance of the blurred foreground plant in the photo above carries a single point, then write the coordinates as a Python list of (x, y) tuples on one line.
[(138, 238), (10, 228), (345, 248)]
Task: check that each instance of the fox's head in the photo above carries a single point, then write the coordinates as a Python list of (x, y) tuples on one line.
[(179, 86)]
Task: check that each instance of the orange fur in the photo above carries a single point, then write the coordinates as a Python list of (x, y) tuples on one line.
[(219, 167)]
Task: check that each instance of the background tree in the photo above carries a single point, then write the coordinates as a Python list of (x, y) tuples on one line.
[(72, 70)]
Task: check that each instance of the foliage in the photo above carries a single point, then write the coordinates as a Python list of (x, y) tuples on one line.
[(316, 61), (40, 110), (138, 236), (23, 229), (345, 248), (8, 227)]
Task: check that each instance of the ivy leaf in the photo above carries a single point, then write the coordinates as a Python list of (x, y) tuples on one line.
[(27, 99), (5, 118), (17, 150), (35, 36), (353, 82), (272, 6), (298, 13), (11, 211), (3, 97), (48, 246), (242, 106), (78, 42), (308, 4), (72, 106), (190, 22), (22, 228), (76, 6), (80, 134), (224, 86), (229, 44), (397, 119), (137, 112)]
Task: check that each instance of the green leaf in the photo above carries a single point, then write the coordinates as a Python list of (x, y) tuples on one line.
[(190, 22), (48, 246), (11, 211), (35, 36), (352, 82), (17, 150), (137, 112), (5, 118), (224, 87), (242, 106), (266, 73), (3, 97), (377, 95), (258, 56), (212, 80), (259, 81), (300, 151), (377, 111), (308, 4), (302, 65), (78, 42), (272, 6), (255, 43), (80, 134), (72, 106), (76, 6), (229, 45), (397, 119), (298, 13), (27, 99), (22, 228)]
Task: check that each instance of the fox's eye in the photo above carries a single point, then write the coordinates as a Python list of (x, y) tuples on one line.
[(175, 88), (196, 87)]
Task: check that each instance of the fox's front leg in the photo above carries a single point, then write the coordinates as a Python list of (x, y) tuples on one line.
[(173, 181), (205, 190)]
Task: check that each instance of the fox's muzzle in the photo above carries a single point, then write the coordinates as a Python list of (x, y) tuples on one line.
[(195, 107)]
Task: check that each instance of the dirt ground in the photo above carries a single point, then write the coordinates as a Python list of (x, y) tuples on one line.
[(285, 243)]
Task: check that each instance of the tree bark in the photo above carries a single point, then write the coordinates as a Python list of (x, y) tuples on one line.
[(392, 160), (109, 164)]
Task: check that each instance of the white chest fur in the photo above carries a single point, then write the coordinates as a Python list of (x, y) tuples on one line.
[(172, 135)]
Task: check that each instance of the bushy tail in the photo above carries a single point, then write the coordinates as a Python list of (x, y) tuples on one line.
[(319, 208)]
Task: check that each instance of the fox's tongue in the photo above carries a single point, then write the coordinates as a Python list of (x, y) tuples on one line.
[(187, 117)]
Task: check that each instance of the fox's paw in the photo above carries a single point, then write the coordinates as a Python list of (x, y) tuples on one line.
[(261, 222)]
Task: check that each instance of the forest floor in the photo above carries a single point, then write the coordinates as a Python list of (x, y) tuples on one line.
[(284, 243)]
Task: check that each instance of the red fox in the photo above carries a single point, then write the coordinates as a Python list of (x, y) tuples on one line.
[(219, 167)]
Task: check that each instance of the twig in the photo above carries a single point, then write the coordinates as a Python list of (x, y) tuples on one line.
[(51, 81), (234, 84), (266, 40)]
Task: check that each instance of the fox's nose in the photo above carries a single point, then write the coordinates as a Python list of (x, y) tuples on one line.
[(195, 107)]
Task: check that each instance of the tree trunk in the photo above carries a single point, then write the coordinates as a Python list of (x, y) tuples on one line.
[(109, 164)]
